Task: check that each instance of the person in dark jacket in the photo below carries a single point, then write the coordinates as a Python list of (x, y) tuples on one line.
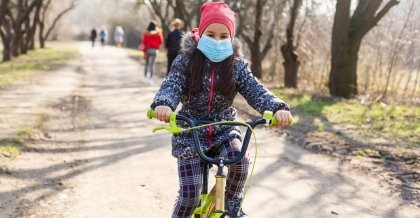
[(173, 41), (93, 35), (205, 77)]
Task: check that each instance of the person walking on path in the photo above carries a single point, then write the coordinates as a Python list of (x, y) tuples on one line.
[(150, 44), (118, 36), (102, 36), (205, 77), (93, 35), (173, 42)]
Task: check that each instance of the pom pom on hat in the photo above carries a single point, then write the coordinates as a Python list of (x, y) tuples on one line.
[(217, 12)]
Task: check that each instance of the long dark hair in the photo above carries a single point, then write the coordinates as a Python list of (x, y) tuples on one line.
[(225, 83)]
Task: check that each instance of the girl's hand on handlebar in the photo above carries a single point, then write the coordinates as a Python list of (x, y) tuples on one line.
[(283, 117), (163, 112)]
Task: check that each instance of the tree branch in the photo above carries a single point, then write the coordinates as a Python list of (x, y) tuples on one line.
[(383, 11), (61, 14), (4, 6), (368, 24)]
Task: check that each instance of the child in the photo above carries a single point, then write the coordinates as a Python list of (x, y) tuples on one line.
[(205, 77)]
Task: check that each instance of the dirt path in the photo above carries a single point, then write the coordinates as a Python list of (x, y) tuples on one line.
[(98, 158)]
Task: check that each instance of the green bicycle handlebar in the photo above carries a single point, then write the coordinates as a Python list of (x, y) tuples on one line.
[(173, 128), (193, 125)]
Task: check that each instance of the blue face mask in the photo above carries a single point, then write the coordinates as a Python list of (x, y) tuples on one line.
[(215, 50)]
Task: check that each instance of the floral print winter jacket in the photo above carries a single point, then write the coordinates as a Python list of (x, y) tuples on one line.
[(210, 106)]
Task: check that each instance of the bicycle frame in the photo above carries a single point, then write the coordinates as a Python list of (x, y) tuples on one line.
[(212, 204)]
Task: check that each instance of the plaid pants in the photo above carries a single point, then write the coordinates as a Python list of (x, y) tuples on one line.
[(190, 173)]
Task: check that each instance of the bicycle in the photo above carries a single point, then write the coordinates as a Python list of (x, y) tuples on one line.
[(212, 204)]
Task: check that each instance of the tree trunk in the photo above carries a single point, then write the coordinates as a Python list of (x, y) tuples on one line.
[(347, 34), (256, 62), (291, 62), (40, 36), (343, 77), (258, 46), (291, 65), (32, 29), (25, 38), (7, 36), (6, 39), (15, 42), (339, 52), (44, 37)]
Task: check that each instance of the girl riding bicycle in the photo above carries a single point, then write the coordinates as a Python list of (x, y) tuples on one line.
[(205, 77)]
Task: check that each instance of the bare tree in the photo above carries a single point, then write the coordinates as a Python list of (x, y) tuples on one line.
[(257, 31), (12, 31), (24, 8), (161, 9), (291, 62), (397, 49), (45, 33), (187, 11), (347, 34)]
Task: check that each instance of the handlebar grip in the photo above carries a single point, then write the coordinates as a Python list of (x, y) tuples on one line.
[(271, 119), (151, 114), (173, 128)]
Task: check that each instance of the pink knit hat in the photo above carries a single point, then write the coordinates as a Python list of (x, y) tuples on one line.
[(217, 12)]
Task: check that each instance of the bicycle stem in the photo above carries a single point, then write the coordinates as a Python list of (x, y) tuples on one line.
[(220, 193)]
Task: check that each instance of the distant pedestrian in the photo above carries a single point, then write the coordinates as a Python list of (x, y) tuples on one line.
[(93, 35), (102, 35), (173, 41), (150, 44), (118, 36)]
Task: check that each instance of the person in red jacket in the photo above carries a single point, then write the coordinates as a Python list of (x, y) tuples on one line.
[(152, 39)]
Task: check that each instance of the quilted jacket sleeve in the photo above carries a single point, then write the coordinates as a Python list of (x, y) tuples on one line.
[(256, 94), (173, 86)]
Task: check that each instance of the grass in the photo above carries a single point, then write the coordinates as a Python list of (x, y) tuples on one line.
[(11, 147), (134, 53), (35, 61), (41, 119), (402, 123), (24, 67)]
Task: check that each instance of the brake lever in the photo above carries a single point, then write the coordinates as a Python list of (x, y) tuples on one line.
[(172, 128)]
